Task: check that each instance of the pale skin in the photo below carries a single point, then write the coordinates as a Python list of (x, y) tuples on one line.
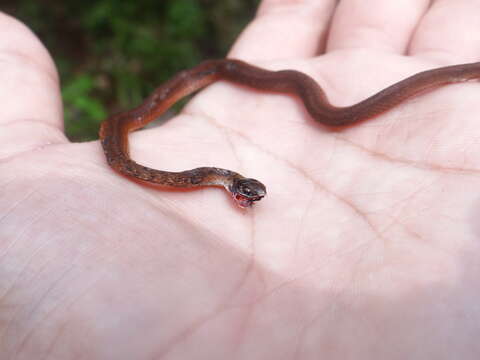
[(365, 247)]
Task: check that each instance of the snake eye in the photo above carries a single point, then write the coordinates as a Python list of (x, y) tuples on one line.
[(246, 191)]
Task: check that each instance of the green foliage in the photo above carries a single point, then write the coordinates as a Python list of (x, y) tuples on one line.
[(112, 53), (78, 94)]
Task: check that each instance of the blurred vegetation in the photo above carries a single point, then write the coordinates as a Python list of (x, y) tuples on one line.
[(111, 54)]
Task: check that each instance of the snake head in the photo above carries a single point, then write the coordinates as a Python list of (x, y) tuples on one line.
[(246, 191)]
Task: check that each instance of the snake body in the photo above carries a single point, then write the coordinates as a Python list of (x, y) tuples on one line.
[(114, 130)]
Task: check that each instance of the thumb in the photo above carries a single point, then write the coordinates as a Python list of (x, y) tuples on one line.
[(31, 108)]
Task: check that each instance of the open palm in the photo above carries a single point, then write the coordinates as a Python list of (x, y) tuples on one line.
[(366, 245)]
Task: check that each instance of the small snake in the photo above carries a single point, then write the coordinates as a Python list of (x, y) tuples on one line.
[(114, 131)]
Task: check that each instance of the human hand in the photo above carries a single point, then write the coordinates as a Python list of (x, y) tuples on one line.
[(365, 246)]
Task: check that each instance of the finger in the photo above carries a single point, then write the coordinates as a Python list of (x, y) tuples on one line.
[(449, 32), (285, 29), (375, 24), (30, 109)]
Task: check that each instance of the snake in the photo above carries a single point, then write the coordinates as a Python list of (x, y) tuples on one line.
[(246, 191)]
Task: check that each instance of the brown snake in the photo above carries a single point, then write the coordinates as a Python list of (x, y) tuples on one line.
[(114, 131)]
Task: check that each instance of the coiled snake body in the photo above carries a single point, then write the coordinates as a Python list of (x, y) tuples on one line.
[(114, 131)]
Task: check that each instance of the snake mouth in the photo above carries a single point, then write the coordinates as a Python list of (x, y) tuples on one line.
[(245, 202)]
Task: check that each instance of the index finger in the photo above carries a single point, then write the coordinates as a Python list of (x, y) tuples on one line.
[(285, 29)]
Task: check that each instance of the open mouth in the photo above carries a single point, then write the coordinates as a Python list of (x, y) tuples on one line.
[(244, 201)]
